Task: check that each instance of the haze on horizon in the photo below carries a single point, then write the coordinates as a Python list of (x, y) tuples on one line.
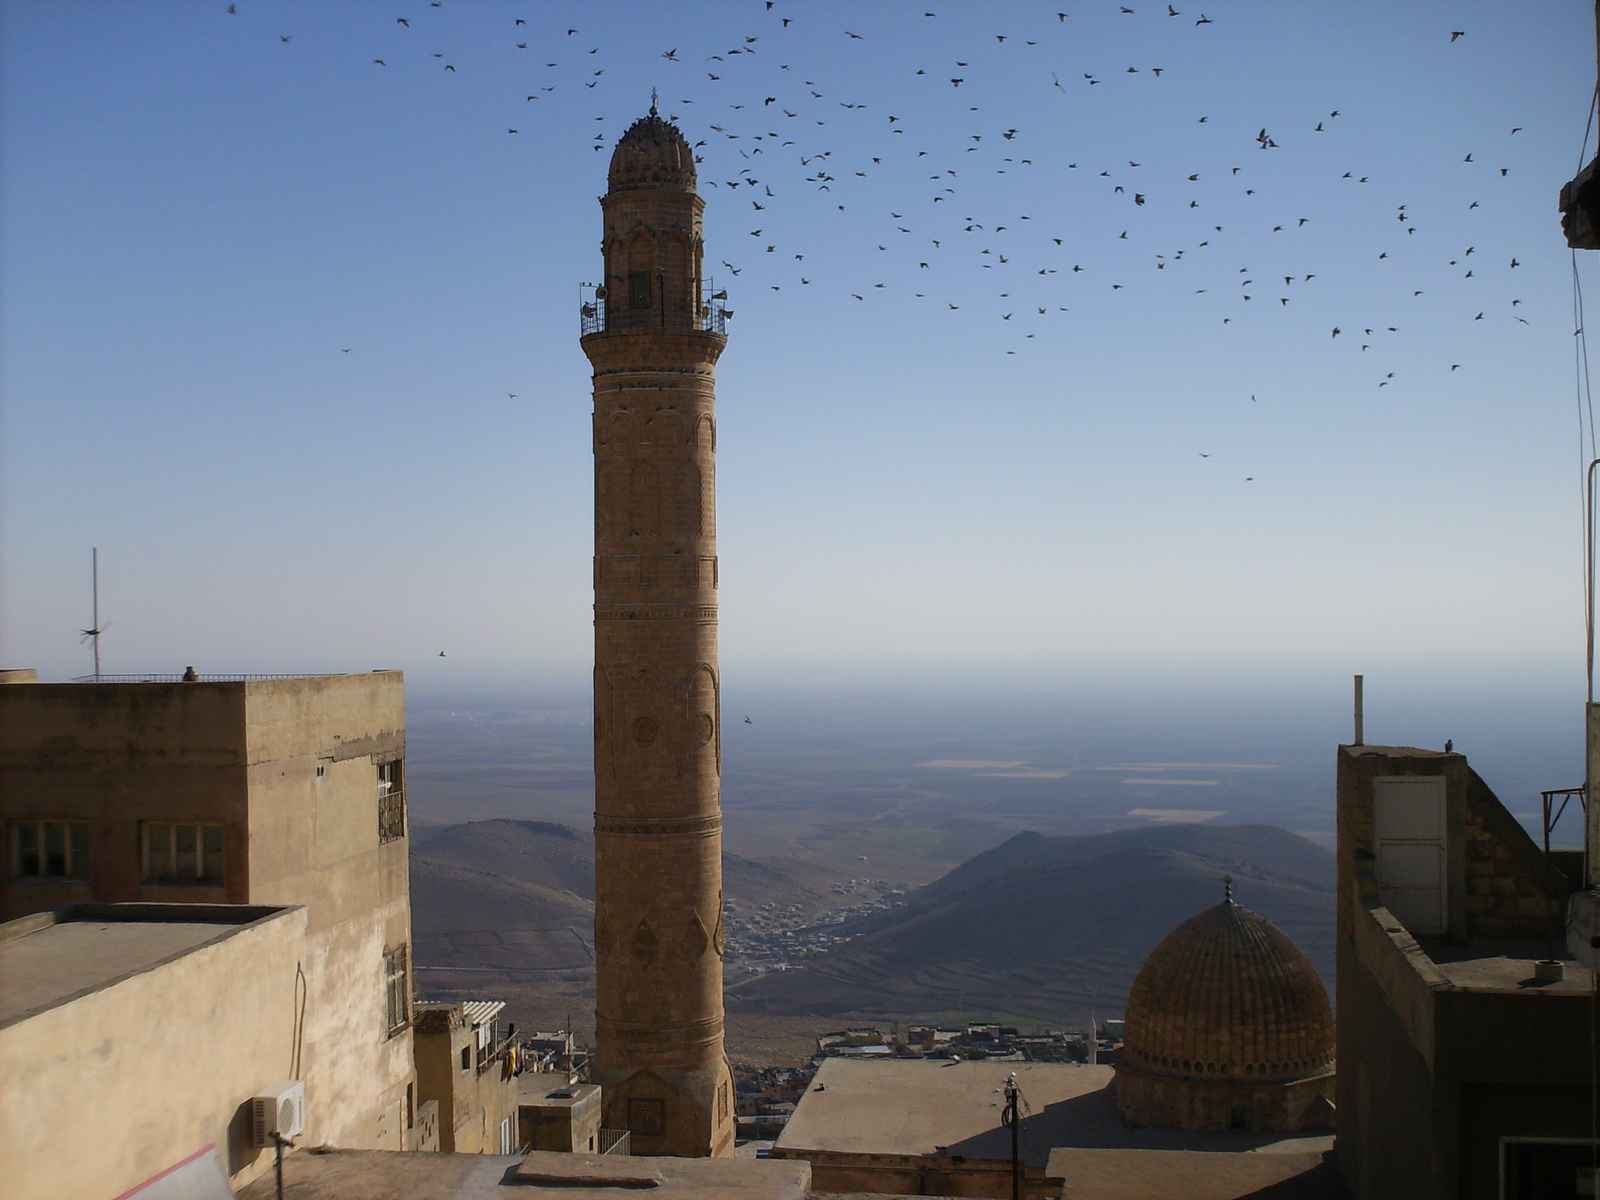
[(292, 336)]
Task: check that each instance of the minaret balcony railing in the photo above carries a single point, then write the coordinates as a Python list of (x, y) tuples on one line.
[(596, 315)]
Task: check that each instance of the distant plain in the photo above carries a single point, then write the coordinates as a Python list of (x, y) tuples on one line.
[(823, 786)]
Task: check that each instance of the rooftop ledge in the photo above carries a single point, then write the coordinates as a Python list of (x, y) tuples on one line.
[(1487, 964)]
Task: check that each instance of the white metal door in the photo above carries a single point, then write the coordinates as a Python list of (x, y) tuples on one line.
[(1408, 818)]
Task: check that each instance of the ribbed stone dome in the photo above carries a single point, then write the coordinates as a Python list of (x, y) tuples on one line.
[(1227, 996), (652, 154)]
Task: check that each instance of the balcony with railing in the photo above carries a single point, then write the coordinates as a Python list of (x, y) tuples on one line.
[(598, 312)]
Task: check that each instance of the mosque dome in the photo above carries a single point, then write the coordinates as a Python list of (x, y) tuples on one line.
[(1228, 1025), (652, 154)]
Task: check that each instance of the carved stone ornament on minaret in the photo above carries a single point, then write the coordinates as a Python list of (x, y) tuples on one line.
[(653, 330)]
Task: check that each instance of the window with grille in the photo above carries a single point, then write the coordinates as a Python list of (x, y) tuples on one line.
[(391, 801), (396, 988), (647, 1117), (50, 850), (182, 852)]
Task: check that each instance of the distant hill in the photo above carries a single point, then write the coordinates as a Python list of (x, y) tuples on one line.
[(1257, 851), (481, 891), (552, 856), (1046, 928)]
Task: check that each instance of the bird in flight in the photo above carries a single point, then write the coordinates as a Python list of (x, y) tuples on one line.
[(1457, 33)]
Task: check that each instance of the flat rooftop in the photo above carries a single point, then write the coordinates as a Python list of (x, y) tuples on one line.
[(1490, 964), (934, 1106), (534, 1087), (398, 1175), (49, 959)]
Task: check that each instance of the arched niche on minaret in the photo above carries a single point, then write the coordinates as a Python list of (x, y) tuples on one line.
[(644, 500), (703, 719), (605, 741), (644, 731)]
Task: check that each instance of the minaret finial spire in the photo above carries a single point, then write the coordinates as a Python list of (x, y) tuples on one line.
[(653, 110), (1227, 889)]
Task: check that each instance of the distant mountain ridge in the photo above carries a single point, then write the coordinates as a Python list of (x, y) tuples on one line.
[(1046, 928), (1257, 851)]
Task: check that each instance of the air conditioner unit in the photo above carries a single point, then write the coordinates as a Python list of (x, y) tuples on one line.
[(278, 1112)]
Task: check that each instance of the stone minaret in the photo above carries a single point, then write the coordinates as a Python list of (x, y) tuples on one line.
[(653, 338)]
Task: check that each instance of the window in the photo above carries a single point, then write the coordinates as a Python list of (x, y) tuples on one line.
[(507, 1146), (50, 850), (647, 1117), (397, 995), (177, 852), (391, 801), (466, 1058), (639, 289)]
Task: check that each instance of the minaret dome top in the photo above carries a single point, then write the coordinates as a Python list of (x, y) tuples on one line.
[(652, 154)]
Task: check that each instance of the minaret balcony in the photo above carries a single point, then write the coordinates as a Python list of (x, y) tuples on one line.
[(596, 315)]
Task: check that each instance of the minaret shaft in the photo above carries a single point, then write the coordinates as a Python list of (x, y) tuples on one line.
[(658, 721)]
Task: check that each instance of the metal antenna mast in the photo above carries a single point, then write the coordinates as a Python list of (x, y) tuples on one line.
[(93, 633)]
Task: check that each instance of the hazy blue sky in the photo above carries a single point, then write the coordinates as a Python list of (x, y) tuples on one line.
[(264, 301)]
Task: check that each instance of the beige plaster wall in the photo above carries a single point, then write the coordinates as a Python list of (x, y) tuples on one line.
[(313, 840), (110, 1089)]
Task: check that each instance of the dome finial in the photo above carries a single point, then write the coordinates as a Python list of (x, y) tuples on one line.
[(1227, 889), (654, 112)]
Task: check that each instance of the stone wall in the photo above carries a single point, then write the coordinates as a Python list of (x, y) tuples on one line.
[(1510, 887)]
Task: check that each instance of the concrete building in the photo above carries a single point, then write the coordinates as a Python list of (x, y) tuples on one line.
[(466, 1066), (653, 338), (563, 1117), (132, 1038), (260, 792), (1228, 1026), (1465, 1064)]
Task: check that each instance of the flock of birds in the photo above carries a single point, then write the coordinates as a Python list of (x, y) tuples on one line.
[(768, 140)]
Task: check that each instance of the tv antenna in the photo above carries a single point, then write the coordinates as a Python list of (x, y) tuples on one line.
[(95, 630)]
